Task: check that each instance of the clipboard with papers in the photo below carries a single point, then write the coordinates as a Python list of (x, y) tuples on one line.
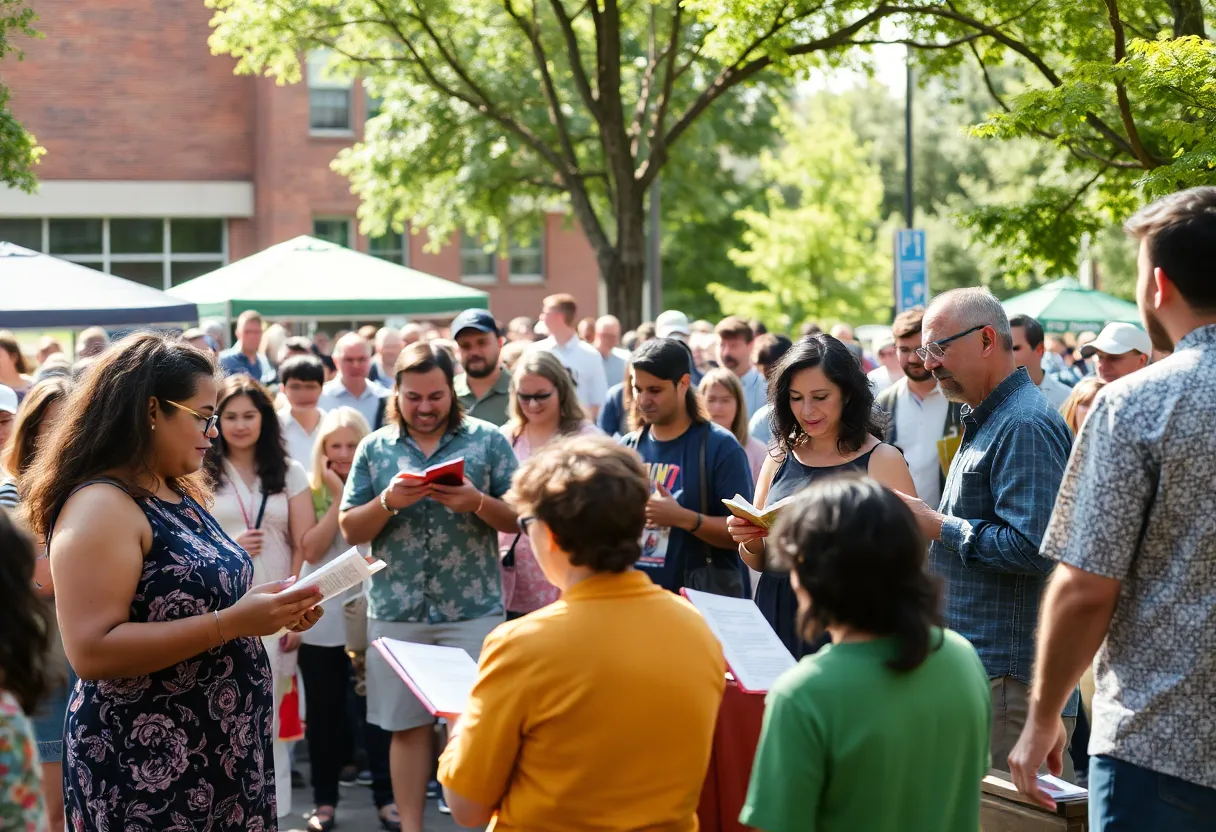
[(441, 677), (755, 654)]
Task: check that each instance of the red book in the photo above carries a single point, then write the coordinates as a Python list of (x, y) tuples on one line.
[(447, 473)]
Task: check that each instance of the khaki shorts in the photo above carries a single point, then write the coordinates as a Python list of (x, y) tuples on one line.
[(390, 702)]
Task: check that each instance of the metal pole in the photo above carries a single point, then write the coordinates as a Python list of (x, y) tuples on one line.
[(908, 207)]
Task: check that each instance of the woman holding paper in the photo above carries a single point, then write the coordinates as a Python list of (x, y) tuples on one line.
[(597, 711), (324, 665), (170, 722), (543, 406), (822, 425), (887, 727), (262, 501)]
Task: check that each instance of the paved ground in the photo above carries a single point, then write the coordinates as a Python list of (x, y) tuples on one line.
[(356, 812)]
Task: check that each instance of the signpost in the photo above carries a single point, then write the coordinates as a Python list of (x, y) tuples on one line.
[(911, 269)]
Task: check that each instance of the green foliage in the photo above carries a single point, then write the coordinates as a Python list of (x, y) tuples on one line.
[(19, 151), (818, 253)]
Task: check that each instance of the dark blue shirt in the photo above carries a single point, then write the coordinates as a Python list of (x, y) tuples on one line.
[(233, 361), (612, 419), (676, 465), (998, 498)]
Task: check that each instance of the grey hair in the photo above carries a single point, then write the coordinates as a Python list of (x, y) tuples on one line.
[(975, 307)]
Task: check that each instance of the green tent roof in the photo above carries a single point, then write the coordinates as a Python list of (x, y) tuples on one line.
[(311, 278), (1065, 305)]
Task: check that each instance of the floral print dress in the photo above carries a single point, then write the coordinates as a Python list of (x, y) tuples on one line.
[(187, 747), (21, 806)]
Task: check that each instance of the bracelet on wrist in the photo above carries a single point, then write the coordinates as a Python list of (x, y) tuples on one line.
[(480, 503), (384, 503), (697, 524), (219, 629)]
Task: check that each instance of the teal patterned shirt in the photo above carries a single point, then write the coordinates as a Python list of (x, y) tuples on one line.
[(442, 566)]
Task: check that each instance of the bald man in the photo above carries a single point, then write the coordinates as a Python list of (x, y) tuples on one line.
[(388, 346), (607, 340), (352, 387)]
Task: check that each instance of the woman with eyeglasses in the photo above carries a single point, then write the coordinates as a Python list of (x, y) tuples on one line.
[(598, 711), (543, 406), (823, 425), (170, 723), (263, 502)]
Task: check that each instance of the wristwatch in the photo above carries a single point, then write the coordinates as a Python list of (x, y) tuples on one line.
[(384, 503)]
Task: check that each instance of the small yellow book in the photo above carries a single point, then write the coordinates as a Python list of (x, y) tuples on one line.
[(765, 517)]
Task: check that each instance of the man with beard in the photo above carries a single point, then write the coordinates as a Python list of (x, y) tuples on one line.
[(920, 420), (735, 338), (1134, 536), (484, 388), (996, 501), (442, 584)]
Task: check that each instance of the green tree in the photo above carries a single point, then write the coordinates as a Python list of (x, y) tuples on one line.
[(19, 151), (818, 253)]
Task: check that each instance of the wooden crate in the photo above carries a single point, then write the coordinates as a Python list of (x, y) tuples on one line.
[(1004, 809)]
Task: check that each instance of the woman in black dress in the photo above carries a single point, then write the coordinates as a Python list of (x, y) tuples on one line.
[(823, 425), (169, 726)]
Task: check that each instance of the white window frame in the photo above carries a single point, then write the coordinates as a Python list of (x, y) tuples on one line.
[(527, 278), (478, 278), (351, 239), (405, 248), (315, 78)]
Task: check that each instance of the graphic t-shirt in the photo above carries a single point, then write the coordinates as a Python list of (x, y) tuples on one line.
[(675, 465)]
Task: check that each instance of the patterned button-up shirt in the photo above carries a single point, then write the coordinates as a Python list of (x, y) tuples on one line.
[(442, 566), (1138, 504), (998, 498)]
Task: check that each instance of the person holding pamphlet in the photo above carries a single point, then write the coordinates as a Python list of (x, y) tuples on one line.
[(888, 726), (822, 426), (617, 733), (440, 542), (171, 722)]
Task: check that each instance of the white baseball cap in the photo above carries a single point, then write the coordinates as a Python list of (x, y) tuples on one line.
[(1116, 339), (671, 322), (8, 399)]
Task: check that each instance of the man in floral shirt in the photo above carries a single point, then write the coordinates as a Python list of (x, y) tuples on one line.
[(440, 542)]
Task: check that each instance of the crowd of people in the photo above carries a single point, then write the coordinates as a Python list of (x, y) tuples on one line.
[(971, 511)]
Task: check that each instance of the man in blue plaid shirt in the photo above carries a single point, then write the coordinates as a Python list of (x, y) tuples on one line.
[(996, 501)]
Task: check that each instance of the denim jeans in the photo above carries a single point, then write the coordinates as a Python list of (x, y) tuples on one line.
[(1128, 798)]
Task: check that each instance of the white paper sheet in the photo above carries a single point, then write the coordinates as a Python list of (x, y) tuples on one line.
[(752, 648), (442, 677), (1061, 791), (347, 570)]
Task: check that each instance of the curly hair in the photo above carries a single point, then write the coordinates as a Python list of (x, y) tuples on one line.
[(269, 453), (857, 420), (23, 649), (859, 553)]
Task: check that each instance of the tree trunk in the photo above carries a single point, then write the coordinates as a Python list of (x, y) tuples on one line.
[(1188, 18), (623, 266)]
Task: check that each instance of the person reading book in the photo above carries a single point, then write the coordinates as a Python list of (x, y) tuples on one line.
[(888, 726), (617, 734), (822, 426)]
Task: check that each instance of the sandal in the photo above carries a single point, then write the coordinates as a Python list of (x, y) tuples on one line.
[(389, 819), (321, 819)]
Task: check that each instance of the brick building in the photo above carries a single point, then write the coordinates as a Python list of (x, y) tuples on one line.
[(162, 165)]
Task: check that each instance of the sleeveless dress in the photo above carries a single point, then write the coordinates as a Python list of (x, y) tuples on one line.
[(187, 747), (774, 595)]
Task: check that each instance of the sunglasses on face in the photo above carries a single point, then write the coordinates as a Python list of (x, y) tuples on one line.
[(937, 349), (529, 398)]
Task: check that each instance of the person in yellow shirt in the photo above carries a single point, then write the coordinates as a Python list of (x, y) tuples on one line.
[(597, 711)]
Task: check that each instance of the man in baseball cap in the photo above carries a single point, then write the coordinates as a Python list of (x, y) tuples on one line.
[(484, 388), (1121, 350), (672, 324)]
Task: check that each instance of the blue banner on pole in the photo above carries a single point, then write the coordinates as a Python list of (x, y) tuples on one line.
[(911, 269)]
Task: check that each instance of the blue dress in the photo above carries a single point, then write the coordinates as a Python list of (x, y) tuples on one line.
[(774, 595), (187, 747)]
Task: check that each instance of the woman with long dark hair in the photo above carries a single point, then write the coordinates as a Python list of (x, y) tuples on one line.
[(894, 699), (15, 369), (262, 501), (23, 680), (42, 408), (170, 723), (822, 425)]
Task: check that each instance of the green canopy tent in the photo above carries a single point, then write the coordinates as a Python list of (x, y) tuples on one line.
[(1065, 305), (312, 279)]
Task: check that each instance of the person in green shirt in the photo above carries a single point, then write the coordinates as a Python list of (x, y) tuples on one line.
[(484, 388), (887, 729)]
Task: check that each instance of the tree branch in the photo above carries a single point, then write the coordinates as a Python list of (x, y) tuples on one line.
[(669, 78), (652, 68), (1148, 160), (1068, 206), (575, 56)]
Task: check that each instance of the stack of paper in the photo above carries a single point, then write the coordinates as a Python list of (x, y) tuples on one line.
[(765, 517), (441, 677), (1061, 791), (752, 648)]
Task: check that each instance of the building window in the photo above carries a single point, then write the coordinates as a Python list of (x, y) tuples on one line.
[(333, 230), (526, 260), (392, 246), (478, 259), (329, 96), (160, 253)]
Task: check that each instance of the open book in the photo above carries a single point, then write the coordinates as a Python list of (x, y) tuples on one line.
[(441, 677), (446, 473), (343, 572), (753, 651), (765, 517)]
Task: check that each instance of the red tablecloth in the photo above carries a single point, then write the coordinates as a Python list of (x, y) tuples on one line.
[(730, 765)]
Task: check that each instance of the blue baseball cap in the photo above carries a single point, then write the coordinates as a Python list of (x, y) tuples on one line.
[(478, 319)]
